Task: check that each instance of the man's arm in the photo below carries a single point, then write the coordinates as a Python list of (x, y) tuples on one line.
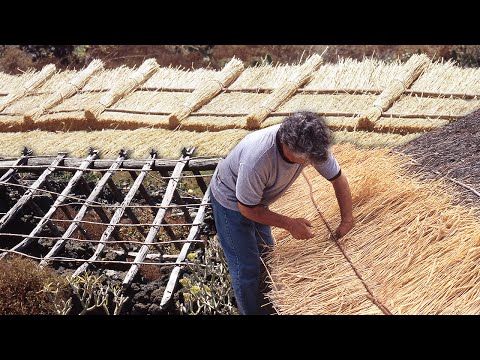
[(344, 199), (298, 227)]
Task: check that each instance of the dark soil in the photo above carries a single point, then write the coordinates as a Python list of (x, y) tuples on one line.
[(454, 152), (17, 58)]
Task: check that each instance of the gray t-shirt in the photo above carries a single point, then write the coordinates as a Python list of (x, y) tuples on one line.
[(257, 172)]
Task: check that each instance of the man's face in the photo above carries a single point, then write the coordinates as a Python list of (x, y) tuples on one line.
[(290, 155)]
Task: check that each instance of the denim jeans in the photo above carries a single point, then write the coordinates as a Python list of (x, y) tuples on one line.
[(243, 242)]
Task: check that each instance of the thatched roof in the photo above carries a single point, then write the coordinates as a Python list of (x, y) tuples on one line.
[(412, 250), (355, 96)]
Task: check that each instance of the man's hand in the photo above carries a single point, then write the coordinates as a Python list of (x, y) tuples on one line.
[(300, 228), (343, 228)]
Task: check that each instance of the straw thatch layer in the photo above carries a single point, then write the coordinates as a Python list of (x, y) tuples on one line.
[(152, 101), (24, 104), (72, 85), (12, 123), (264, 77), (411, 71), (107, 79), (232, 103), (207, 91), (328, 103), (176, 78), (139, 142), (448, 78), (367, 139), (9, 82), (416, 252), (285, 91), (407, 125), (214, 143), (350, 74), (333, 122), (213, 123), (35, 81), (137, 78), (433, 106)]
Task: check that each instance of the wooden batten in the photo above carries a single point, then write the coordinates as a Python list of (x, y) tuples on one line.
[(60, 199), (83, 210), (167, 198), (117, 216)]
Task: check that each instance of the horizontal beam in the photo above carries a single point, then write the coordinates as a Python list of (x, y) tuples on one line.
[(69, 164)]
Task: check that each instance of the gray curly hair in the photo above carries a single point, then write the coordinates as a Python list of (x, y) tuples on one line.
[(306, 134)]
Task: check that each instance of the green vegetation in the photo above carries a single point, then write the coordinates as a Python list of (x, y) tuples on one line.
[(206, 287)]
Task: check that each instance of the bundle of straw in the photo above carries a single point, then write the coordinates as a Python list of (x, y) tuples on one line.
[(35, 82), (285, 91), (66, 91), (207, 91), (411, 71), (137, 78), (415, 251)]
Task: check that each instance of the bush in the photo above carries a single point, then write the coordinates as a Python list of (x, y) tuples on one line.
[(28, 289)]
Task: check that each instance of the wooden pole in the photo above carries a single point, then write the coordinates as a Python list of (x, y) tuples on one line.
[(193, 235), (167, 198), (118, 214), (60, 199), (81, 213), (27, 196), (39, 163)]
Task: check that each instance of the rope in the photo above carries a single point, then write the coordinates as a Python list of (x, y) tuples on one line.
[(99, 241), (370, 294), (60, 258)]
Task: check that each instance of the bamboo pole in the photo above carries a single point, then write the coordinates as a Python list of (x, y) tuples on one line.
[(285, 91), (207, 91), (81, 213), (60, 199), (411, 71), (67, 90), (34, 83), (167, 198), (122, 89), (118, 214)]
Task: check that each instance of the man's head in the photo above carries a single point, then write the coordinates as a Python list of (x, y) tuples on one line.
[(306, 136)]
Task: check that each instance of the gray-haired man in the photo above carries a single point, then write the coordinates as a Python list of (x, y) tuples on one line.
[(255, 174)]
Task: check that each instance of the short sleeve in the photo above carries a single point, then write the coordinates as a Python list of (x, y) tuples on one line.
[(329, 169), (250, 186)]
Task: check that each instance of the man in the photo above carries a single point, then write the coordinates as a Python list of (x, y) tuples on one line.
[(255, 174)]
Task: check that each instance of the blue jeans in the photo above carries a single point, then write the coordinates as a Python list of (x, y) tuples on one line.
[(243, 242)]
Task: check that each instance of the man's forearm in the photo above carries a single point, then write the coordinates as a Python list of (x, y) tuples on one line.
[(344, 198), (299, 228), (263, 215)]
